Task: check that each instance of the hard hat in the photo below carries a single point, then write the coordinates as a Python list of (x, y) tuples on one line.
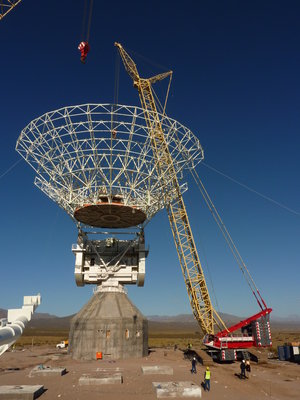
[(243, 361), (207, 368)]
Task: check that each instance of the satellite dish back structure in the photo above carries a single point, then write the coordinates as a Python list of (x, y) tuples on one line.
[(96, 161)]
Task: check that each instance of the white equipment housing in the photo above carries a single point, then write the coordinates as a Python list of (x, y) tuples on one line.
[(109, 263), (13, 327)]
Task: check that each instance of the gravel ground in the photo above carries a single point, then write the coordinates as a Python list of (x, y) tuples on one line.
[(274, 380)]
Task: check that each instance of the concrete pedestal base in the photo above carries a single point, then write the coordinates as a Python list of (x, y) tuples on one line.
[(157, 370), (177, 389), (47, 371), (109, 326), (104, 379), (22, 392)]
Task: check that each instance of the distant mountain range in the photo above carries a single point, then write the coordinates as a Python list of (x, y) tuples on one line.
[(181, 322)]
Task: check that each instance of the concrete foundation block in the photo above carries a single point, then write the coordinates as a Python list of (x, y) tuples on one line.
[(105, 379), (47, 371), (22, 392), (157, 370), (177, 389), (107, 371), (108, 327)]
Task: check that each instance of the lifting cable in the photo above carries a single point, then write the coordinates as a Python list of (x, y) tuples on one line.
[(210, 278), (167, 95), (85, 34), (162, 67), (160, 107), (252, 190), (113, 118), (10, 168), (117, 80), (147, 60), (228, 239), (115, 99)]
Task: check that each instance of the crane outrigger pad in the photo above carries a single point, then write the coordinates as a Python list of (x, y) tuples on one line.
[(109, 215)]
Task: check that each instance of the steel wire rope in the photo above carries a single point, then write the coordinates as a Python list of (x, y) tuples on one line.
[(86, 24), (209, 276), (160, 107), (84, 20), (116, 91), (11, 168), (167, 95), (228, 238), (54, 220), (150, 108), (216, 317), (117, 79), (160, 66), (90, 20), (113, 132), (158, 104), (147, 60), (252, 190)]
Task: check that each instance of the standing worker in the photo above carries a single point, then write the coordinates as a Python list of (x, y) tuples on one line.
[(248, 368), (193, 370), (207, 379), (243, 370)]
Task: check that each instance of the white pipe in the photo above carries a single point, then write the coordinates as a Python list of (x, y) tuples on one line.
[(17, 319)]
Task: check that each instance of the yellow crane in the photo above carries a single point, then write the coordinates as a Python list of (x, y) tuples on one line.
[(190, 263), (254, 330), (6, 6)]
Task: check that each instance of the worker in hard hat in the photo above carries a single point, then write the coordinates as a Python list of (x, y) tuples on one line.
[(84, 48), (194, 361), (248, 368), (243, 369), (207, 379)]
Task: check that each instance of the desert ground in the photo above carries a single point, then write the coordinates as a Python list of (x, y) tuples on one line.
[(272, 380)]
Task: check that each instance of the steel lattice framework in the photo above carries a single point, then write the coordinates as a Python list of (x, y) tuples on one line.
[(89, 153), (6, 6), (182, 233)]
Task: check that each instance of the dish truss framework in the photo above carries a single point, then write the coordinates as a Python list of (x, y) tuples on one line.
[(91, 154)]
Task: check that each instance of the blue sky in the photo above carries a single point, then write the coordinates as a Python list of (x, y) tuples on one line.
[(236, 85)]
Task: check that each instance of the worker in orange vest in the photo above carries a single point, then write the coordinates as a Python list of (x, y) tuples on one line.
[(84, 48)]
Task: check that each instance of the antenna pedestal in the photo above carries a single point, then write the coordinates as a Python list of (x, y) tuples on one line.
[(109, 323)]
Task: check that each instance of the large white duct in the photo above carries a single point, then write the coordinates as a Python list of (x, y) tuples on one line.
[(13, 327)]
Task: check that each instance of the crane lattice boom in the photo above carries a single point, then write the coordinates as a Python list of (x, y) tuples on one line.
[(180, 226)]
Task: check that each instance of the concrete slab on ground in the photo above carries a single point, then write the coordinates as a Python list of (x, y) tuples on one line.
[(101, 379), (47, 371), (177, 389), (22, 392), (157, 370), (109, 370)]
